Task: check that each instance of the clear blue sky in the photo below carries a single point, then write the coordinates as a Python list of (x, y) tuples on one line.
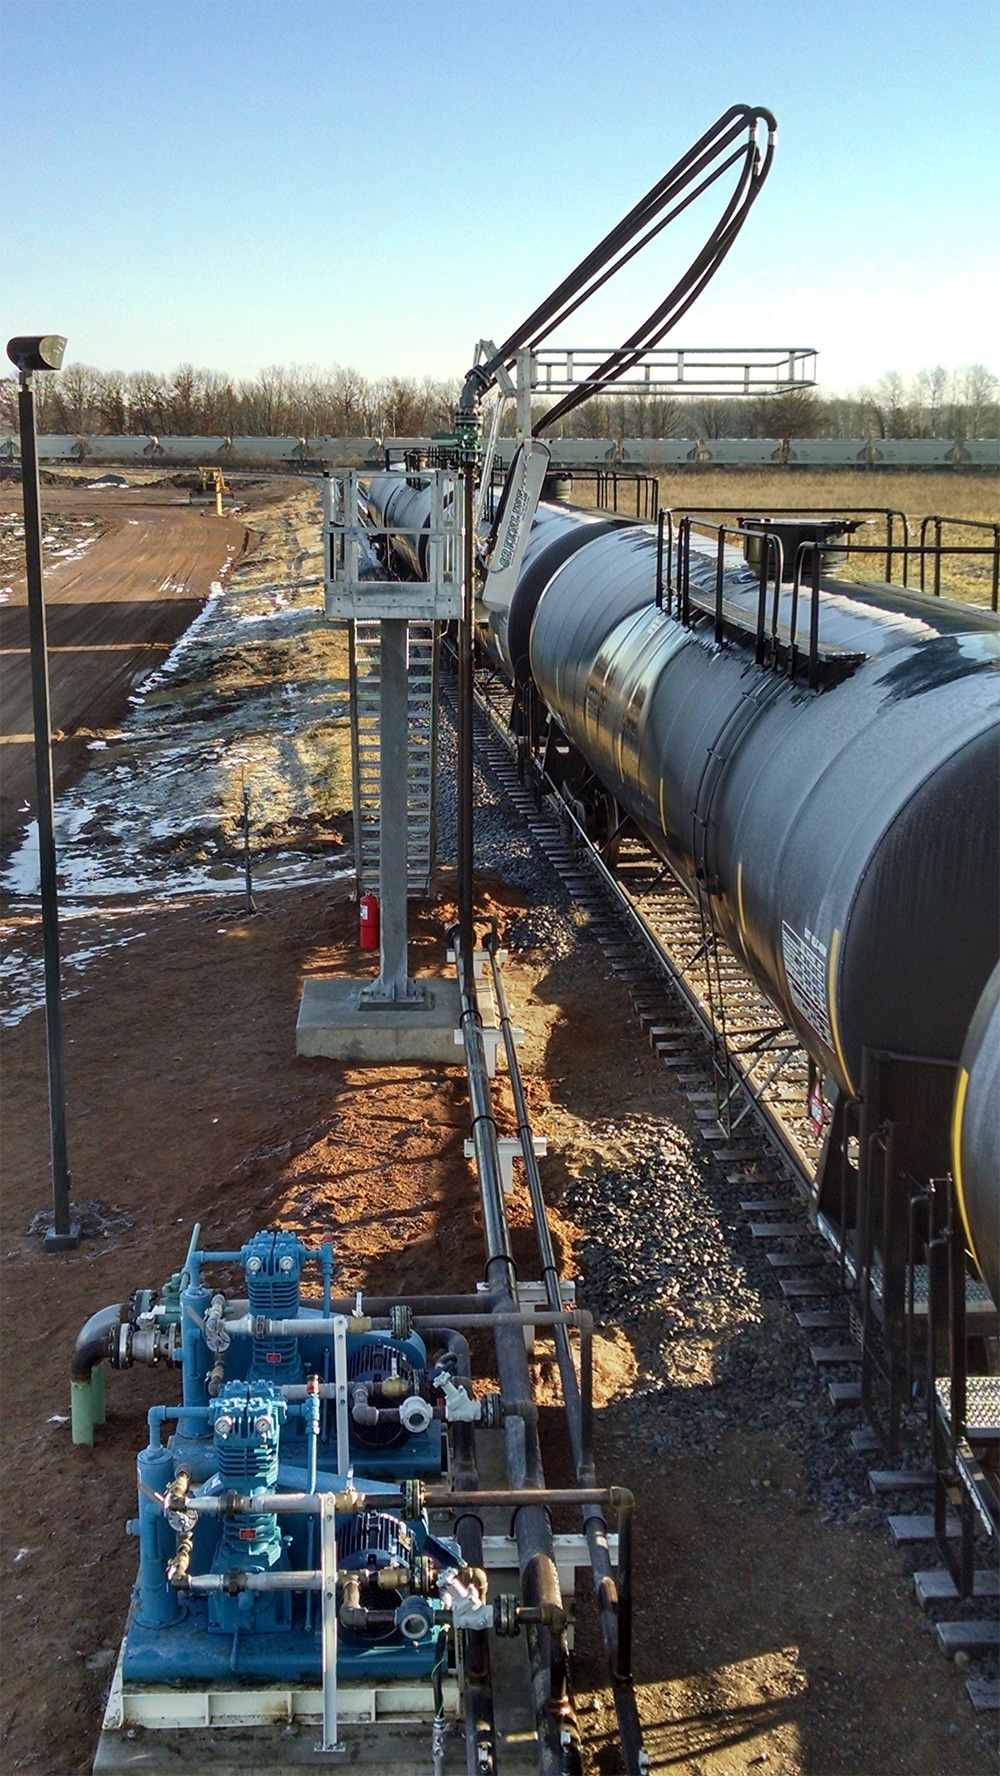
[(236, 183)]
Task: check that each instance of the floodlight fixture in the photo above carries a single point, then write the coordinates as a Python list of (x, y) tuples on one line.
[(37, 351)]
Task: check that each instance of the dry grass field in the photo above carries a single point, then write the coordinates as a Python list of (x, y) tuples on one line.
[(944, 493)]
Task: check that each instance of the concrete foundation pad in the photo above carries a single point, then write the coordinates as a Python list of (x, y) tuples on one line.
[(384, 1750), (333, 1022)]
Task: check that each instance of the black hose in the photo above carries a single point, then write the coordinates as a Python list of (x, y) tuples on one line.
[(686, 180)]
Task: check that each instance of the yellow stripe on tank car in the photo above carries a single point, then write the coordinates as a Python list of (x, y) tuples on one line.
[(831, 1000), (957, 1115)]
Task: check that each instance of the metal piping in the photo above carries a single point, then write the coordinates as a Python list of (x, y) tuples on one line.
[(480, 1739), (91, 1345), (614, 1600), (261, 1326), (87, 1373), (558, 1738)]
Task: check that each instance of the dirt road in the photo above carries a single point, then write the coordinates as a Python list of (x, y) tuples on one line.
[(115, 608)]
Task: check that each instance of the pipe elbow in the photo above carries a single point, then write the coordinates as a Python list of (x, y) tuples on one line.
[(622, 1499), (92, 1341), (476, 383)]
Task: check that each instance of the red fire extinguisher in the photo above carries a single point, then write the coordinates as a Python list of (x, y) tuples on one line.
[(368, 921)]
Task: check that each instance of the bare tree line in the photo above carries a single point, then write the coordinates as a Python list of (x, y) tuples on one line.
[(341, 403), (935, 403), (298, 403)]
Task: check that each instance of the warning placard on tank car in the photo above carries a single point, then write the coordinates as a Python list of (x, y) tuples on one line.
[(805, 971)]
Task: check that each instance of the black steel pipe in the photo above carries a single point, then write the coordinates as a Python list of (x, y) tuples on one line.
[(466, 829), (91, 1345), (614, 1599), (533, 1532)]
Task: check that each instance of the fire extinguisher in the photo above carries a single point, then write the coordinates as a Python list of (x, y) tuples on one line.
[(368, 921)]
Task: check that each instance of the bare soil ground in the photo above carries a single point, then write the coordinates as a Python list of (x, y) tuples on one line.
[(770, 1636), (766, 1636)]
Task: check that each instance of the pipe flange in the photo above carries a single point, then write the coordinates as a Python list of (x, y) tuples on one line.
[(423, 1576), (400, 1322), (413, 1499), (492, 1411), (505, 1622)]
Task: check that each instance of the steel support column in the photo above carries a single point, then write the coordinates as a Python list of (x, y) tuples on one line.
[(394, 985)]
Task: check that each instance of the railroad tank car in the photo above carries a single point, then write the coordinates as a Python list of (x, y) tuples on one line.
[(976, 1133), (846, 838)]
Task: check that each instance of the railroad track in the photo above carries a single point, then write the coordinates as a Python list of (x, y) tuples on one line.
[(747, 1080), (661, 943)]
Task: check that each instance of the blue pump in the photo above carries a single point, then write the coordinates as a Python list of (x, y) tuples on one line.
[(252, 1437)]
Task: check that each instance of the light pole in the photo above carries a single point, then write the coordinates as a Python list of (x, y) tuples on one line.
[(44, 352)]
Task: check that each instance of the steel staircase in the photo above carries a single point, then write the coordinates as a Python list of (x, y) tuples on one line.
[(421, 773)]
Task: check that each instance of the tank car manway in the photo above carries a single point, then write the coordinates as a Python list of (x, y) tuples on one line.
[(750, 1085)]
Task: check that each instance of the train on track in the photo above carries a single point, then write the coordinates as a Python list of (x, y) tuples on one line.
[(818, 762)]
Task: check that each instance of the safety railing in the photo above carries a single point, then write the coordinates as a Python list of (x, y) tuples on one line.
[(607, 484), (938, 548), (897, 543), (897, 548), (775, 643)]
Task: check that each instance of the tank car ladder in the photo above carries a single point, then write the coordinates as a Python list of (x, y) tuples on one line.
[(421, 763)]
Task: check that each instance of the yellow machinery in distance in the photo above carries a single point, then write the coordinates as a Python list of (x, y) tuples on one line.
[(208, 476)]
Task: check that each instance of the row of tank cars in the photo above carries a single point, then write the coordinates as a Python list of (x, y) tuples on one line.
[(821, 770)]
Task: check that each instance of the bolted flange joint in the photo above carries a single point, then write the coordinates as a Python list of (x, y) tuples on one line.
[(505, 1621)]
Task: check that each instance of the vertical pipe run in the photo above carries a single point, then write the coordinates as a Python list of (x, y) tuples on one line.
[(328, 1571), (65, 1235), (558, 1750), (614, 1602), (340, 1383), (465, 771)]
